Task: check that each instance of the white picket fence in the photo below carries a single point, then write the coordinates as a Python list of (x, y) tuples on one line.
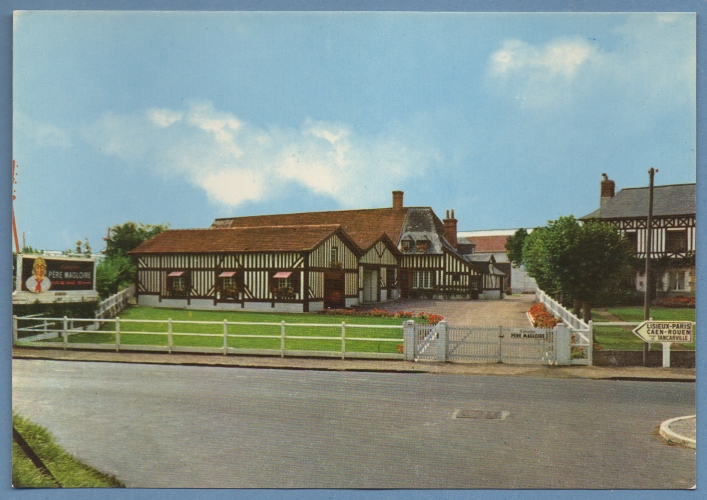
[(582, 334), (67, 327), (110, 307)]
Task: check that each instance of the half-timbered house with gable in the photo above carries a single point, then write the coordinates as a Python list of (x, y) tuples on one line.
[(287, 268), (407, 251), (672, 231), (309, 261)]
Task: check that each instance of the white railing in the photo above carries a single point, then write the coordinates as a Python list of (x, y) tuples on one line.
[(65, 328), (110, 307), (560, 311), (582, 334)]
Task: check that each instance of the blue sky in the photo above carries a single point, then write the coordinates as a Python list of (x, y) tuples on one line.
[(510, 119)]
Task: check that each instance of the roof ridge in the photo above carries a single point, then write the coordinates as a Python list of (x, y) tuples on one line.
[(278, 226), (315, 212), (660, 186)]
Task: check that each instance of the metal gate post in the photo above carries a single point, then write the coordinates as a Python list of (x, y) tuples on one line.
[(563, 345), (590, 349), (409, 340), (500, 344), (442, 341)]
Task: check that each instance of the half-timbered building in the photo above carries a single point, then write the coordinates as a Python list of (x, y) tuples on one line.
[(309, 261), (407, 251), (673, 227), (287, 268)]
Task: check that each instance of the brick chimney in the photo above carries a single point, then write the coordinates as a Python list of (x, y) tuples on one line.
[(450, 229), (398, 199), (608, 187)]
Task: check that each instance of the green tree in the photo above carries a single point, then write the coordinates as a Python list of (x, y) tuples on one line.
[(126, 237), (514, 247), (582, 263), (117, 270)]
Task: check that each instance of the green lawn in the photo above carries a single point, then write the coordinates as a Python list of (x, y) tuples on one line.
[(617, 337), (69, 472), (148, 313)]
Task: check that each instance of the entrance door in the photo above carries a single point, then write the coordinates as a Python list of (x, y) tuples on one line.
[(370, 285), (403, 283), (334, 290)]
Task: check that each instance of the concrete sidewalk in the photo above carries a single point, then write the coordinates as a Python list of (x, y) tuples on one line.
[(335, 364)]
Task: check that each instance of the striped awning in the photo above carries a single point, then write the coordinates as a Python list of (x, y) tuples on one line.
[(175, 273), (282, 274), (227, 274)]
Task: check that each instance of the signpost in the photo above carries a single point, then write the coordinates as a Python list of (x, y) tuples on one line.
[(666, 332)]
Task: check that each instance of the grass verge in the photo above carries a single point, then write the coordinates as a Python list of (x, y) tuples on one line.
[(67, 470), (618, 337)]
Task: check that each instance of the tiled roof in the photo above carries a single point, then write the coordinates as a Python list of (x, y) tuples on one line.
[(250, 239), (365, 226), (676, 199), (485, 244)]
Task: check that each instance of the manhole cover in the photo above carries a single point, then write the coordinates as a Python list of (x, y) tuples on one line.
[(481, 414)]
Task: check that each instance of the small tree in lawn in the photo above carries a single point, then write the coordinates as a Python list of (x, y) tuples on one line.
[(581, 263)]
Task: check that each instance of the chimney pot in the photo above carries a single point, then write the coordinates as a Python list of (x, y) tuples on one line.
[(450, 229), (398, 199), (608, 188)]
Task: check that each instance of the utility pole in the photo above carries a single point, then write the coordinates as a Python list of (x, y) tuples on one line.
[(649, 245), (14, 197)]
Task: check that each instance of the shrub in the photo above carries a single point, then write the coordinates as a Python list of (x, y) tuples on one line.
[(432, 319), (678, 301)]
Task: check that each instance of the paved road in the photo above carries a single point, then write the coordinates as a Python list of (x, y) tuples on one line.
[(510, 311), (187, 426)]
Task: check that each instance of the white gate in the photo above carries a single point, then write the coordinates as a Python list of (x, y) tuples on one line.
[(500, 344), (488, 344)]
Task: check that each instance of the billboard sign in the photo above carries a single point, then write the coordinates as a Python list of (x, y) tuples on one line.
[(50, 279)]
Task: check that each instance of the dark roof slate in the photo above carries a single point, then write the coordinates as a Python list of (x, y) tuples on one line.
[(671, 200)]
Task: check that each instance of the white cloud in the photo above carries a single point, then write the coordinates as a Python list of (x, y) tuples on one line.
[(164, 117), (233, 187), (235, 162), (42, 134), (541, 76), (649, 57), (561, 57)]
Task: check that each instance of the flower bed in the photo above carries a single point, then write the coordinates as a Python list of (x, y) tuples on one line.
[(541, 317), (432, 319), (679, 301)]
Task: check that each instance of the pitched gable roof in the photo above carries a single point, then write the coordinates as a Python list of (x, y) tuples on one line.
[(671, 200), (486, 244), (249, 239), (364, 226)]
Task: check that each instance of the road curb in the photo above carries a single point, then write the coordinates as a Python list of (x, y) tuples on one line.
[(331, 364), (673, 437)]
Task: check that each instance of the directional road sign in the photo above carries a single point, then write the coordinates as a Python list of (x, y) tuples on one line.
[(666, 331)]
